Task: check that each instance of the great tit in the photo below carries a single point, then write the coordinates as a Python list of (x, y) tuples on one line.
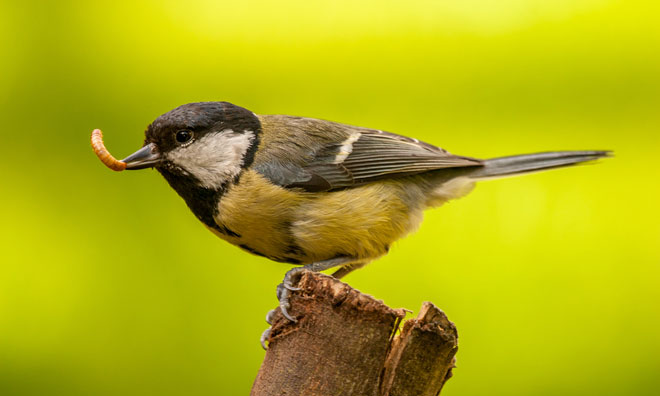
[(310, 192)]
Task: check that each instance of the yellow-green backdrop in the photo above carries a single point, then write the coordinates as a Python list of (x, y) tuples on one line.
[(109, 286)]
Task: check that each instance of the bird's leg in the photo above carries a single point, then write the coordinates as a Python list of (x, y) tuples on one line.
[(348, 268), (292, 277)]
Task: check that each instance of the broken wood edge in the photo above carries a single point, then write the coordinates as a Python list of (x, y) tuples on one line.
[(422, 356), (346, 342), (341, 296)]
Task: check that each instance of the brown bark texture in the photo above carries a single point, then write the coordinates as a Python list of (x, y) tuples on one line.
[(346, 343)]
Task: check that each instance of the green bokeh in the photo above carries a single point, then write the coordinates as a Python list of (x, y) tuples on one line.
[(109, 286)]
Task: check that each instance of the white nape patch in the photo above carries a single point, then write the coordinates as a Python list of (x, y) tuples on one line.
[(215, 158), (346, 148)]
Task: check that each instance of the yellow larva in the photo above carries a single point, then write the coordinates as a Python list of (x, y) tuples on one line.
[(103, 154)]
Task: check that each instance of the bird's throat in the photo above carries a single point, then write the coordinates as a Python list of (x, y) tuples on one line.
[(203, 202)]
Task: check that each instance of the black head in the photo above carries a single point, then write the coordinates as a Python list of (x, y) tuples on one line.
[(206, 140), (195, 120), (199, 148)]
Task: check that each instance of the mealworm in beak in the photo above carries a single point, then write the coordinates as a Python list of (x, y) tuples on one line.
[(103, 154)]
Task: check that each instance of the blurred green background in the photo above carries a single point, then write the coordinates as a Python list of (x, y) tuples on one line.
[(109, 286)]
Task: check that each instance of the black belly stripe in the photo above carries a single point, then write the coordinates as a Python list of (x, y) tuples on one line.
[(292, 250), (225, 230), (253, 251), (289, 260)]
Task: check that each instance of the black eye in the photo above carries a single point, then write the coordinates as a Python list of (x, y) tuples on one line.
[(183, 136)]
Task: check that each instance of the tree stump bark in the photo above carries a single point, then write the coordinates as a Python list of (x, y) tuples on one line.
[(345, 343)]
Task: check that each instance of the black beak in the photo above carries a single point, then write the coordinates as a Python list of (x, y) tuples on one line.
[(146, 157)]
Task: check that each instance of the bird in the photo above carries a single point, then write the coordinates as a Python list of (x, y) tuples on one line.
[(308, 192)]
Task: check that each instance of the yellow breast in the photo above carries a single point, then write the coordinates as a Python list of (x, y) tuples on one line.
[(299, 227)]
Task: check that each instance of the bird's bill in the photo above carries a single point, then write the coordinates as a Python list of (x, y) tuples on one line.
[(146, 157)]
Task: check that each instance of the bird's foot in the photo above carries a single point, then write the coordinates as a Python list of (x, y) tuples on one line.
[(284, 289), (283, 292), (266, 334)]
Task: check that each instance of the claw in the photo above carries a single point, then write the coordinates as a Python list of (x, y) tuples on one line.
[(264, 337), (270, 315), (292, 276), (286, 314), (284, 290), (284, 306)]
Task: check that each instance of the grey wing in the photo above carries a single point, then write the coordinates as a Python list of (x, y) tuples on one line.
[(364, 156)]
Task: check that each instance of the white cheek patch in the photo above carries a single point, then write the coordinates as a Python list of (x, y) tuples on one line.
[(215, 158)]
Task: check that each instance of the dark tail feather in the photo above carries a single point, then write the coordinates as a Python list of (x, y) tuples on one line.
[(517, 164)]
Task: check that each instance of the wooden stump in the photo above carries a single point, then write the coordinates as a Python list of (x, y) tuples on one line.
[(344, 343)]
